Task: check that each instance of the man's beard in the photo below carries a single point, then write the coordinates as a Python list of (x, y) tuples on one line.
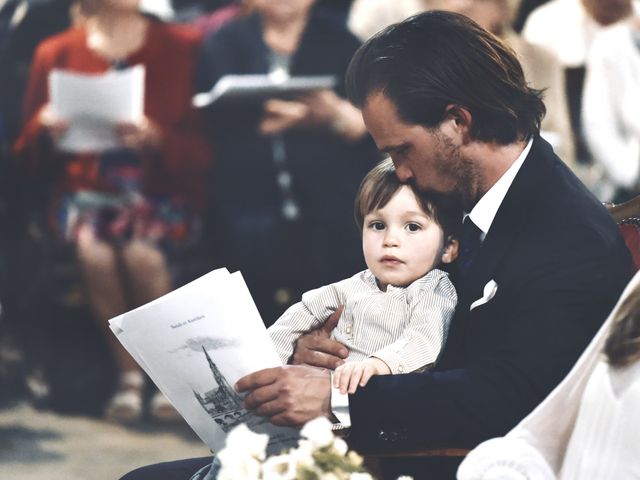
[(461, 174)]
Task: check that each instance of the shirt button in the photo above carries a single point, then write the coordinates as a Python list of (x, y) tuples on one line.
[(348, 330), (400, 369)]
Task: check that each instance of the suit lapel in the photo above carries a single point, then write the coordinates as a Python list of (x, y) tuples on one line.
[(517, 206), (512, 214)]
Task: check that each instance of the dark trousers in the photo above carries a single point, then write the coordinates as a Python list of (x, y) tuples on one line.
[(177, 470)]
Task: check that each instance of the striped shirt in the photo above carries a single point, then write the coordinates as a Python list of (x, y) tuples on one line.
[(405, 327)]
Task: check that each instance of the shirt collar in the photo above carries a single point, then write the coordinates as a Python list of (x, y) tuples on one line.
[(487, 207)]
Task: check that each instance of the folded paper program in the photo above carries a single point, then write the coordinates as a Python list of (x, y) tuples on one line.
[(195, 343), (93, 104)]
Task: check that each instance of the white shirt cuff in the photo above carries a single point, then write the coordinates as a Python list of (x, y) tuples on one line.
[(340, 405)]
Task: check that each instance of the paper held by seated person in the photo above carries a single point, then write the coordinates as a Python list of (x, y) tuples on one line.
[(243, 88), (93, 104), (195, 343)]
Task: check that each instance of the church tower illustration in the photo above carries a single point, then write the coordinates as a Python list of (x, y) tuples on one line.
[(221, 399)]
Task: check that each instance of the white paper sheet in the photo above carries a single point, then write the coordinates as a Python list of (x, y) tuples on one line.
[(92, 104), (195, 343)]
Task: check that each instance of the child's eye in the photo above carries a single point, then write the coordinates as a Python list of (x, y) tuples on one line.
[(376, 225), (413, 227)]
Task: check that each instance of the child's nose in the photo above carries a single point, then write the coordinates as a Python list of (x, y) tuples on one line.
[(390, 238)]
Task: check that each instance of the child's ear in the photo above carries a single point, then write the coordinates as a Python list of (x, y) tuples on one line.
[(450, 252)]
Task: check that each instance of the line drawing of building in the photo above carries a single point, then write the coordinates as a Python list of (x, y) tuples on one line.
[(222, 403)]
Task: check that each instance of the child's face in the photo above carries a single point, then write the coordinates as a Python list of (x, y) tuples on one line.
[(400, 242)]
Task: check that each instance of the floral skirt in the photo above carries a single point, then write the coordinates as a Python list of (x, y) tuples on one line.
[(165, 222)]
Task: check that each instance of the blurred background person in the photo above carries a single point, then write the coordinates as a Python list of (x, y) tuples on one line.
[(366, 17), (541, 69), (526, 7), (286, 171), (566, 28), (127, 211), (209, 22), (609, 113)]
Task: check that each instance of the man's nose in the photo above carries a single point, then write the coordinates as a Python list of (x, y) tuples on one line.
[(403, 173)]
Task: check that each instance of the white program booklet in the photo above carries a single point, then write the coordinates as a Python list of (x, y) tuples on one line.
[(242, 88), (93, 104), (195, 343)]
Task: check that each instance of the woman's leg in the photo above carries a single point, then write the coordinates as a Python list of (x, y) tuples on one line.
[(104, 291), (147, 276), (106, 297), (147, 273)]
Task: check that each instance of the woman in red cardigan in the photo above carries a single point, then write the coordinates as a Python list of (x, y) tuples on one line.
[(125, 209)]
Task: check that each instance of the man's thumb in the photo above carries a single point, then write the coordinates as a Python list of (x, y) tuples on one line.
[(332, 321)]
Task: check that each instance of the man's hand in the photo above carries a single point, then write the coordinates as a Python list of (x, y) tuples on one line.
[(318, 349), (350, 376), (290, 395)]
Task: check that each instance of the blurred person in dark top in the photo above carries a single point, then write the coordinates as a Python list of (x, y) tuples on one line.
[(126, 210), (287, 170)]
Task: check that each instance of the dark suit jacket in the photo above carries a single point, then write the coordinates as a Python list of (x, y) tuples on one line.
[(560, 265)]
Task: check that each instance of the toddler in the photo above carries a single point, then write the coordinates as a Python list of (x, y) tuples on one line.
[(397, 312)]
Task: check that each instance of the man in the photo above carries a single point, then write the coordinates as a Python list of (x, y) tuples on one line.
[(449, 103)]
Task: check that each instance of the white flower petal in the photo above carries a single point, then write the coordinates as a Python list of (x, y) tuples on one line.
[(360, 476), (246, 468), (279, 467), (318, 431), (251, 443), (340, 446)]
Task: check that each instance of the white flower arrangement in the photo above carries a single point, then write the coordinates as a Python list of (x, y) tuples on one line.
[(319, 456)]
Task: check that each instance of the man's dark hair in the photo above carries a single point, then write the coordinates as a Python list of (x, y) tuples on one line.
[(436, 59), (380, 185)]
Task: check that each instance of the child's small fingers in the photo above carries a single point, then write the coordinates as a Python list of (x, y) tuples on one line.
[(344, 378), (337, 373), (354, 380), (366, 375)]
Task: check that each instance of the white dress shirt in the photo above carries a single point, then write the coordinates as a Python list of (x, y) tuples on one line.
[(487, 207)]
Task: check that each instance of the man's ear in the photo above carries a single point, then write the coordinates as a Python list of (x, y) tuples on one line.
[(461, 120), (450, 252)]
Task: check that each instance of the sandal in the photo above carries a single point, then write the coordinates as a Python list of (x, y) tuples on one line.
[(162, 410), (126, 405)]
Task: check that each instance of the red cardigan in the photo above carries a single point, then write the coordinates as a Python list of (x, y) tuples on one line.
[(168, 55)]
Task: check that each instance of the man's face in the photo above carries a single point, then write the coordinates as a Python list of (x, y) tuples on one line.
[(430, 158)]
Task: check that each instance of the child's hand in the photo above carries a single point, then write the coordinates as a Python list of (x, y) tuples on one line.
[(351, 375)]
